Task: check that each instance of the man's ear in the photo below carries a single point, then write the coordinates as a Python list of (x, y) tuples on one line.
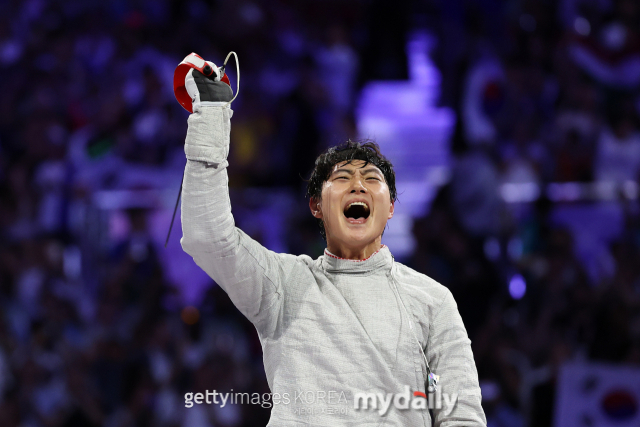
[(391, 210), (314, 205)]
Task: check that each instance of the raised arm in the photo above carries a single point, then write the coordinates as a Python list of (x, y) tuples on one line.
[(248, 272)]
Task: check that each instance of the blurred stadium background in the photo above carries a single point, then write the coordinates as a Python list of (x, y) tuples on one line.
[(514, 128)]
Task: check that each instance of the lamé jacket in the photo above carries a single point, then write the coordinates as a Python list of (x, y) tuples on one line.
[(339, 337)]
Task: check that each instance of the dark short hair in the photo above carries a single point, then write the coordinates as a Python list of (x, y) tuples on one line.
[(367, 150)]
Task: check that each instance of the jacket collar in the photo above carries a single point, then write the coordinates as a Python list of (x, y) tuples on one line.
[(379, 260)]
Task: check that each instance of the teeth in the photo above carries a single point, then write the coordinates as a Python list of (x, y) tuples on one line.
[(358, 204)]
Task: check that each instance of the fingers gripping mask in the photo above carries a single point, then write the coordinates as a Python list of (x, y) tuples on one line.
[(184, 83)]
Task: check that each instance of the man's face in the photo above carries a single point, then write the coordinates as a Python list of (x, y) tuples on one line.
[(355, 205)]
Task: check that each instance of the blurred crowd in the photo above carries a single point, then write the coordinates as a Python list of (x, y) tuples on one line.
[(94, 333), (547, 97)]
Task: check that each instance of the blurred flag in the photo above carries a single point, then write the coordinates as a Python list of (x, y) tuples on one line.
[(598, 395)]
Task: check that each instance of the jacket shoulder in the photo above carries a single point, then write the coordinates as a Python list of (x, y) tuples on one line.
[(420, 283)]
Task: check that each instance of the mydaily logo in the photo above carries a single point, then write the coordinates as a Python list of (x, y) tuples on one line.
[(405, 400)]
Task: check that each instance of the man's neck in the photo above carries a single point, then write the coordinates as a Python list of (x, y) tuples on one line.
[(347, 252)]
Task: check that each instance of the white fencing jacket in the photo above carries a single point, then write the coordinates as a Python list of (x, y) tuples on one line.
[(331, 329)]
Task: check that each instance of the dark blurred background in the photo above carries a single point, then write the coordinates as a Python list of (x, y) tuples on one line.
[(513, 126)]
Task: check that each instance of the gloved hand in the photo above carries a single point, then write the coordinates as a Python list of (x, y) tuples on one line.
[(197, 82), (207, 90)]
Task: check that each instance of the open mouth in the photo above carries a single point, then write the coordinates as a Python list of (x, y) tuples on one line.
[(357, 212)]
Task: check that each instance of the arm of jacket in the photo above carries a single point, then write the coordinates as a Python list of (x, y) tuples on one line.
[(450, 357), (251, 275)]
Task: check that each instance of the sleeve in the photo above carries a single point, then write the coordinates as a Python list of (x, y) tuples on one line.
[(251, 275), (450, 356)]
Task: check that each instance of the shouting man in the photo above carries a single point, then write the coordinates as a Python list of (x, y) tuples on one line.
[(352, 338)]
